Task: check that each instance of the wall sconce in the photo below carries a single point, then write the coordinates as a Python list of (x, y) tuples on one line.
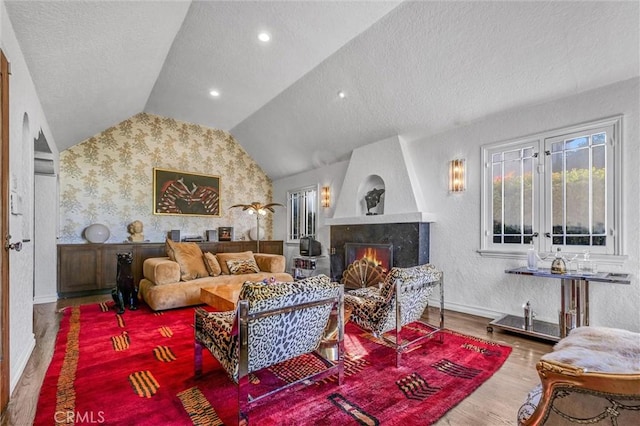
[(325, 196), (457, 176)]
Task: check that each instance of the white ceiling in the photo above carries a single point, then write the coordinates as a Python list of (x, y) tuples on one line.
[(411, 68)]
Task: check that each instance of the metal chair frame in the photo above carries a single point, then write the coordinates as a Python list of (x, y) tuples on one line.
[(405, 345), (244, 318)]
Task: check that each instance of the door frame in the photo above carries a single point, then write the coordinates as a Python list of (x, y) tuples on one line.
[(4, 231)]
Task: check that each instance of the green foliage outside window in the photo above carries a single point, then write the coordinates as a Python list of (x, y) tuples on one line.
[(577, 203)]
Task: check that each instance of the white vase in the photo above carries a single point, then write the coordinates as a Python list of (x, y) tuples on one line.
[(97, 233), (253, 233)]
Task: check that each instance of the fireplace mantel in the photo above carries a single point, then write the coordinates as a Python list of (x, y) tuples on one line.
[(383, 218)]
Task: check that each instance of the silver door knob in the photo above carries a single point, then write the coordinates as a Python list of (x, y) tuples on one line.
[(8, 245)]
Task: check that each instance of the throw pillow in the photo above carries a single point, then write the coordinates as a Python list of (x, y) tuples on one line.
[(189, 257), (168, 248), (212, 265), (223, 257), (242, 266)]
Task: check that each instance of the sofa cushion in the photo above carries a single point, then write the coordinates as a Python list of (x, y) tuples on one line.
[(223, 257), (161, 270), (168, 248), (270, 262), (189, 257), (187, 293), (242, 266), (212, 265)]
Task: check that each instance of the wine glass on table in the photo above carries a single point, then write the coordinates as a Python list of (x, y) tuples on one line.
[(569, 258), (542, 256)]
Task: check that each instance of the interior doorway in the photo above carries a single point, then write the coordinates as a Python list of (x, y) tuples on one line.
[(45, 230)]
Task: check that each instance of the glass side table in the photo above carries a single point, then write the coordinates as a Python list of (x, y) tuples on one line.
[(574, 303)]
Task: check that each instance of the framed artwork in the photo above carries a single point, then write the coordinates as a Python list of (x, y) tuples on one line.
[(184, 193), (225, 233)]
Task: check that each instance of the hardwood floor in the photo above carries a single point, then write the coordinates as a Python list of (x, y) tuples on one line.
[(496, 402)]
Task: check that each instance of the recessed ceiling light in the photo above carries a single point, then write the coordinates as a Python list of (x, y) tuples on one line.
[(341, 95), (264, 36), (214, 93)]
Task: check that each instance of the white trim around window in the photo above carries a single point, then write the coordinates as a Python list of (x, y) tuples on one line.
[(556, 189)]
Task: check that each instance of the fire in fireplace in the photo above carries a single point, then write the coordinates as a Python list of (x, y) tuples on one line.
[(380, 254)]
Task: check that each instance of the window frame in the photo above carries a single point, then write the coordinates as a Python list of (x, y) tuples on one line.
[(315, 204), (542, 222), (487, 190)]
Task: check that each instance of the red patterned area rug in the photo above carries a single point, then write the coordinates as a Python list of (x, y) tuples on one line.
[(137, 369)]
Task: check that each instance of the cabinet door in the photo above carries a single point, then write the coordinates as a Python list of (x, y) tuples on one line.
[(272, 247), (108, 264), (77, 268), (229, 247), (210, 246)]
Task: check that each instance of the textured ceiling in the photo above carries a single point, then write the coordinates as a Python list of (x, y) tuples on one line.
[(411, 68)]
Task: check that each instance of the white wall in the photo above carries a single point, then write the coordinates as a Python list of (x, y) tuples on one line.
[(477, 284), (23, 102), (45, 234), (332, 176)]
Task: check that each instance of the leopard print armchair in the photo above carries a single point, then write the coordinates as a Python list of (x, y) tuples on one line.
[(401, 299), (272, 323)]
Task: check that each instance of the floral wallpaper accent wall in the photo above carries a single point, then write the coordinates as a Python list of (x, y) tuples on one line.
[(108, 179)]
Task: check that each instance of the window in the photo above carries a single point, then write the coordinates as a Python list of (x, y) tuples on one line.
[(302, 207), (555, 189)]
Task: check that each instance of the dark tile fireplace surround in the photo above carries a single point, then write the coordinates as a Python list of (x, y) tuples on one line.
[(410, 242)]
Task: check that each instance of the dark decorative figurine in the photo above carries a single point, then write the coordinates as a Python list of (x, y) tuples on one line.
[(373, 198), (125, 292)]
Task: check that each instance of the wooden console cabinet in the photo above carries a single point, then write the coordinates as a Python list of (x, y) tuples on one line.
[(92, 268)]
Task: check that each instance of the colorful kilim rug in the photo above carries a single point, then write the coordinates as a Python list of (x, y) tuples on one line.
[(137, 369)]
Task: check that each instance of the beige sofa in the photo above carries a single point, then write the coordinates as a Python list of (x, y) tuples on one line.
[(176, 283)]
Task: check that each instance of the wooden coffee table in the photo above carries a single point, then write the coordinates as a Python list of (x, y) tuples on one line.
[(223, 297)]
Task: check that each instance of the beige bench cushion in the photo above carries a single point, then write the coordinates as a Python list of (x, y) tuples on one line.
[(599, 349)]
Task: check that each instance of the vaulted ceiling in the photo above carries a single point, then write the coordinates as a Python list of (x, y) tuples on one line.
[(409, 68)]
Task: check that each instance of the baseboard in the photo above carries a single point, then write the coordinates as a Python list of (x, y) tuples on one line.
[(45, 299), (21, 363), (466, 309)]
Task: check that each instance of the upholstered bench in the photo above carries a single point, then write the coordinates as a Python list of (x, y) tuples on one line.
[(592, 376)]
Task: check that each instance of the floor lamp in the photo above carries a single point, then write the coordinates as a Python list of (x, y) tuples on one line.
[(259, 210)]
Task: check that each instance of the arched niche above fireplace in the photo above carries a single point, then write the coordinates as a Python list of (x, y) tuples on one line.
[(370, 183)]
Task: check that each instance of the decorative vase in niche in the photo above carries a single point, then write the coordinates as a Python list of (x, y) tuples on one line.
[(96, 233), (255, 233)]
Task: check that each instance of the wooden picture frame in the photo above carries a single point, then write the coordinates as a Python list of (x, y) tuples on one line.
[(225, 233), (185, 193)]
